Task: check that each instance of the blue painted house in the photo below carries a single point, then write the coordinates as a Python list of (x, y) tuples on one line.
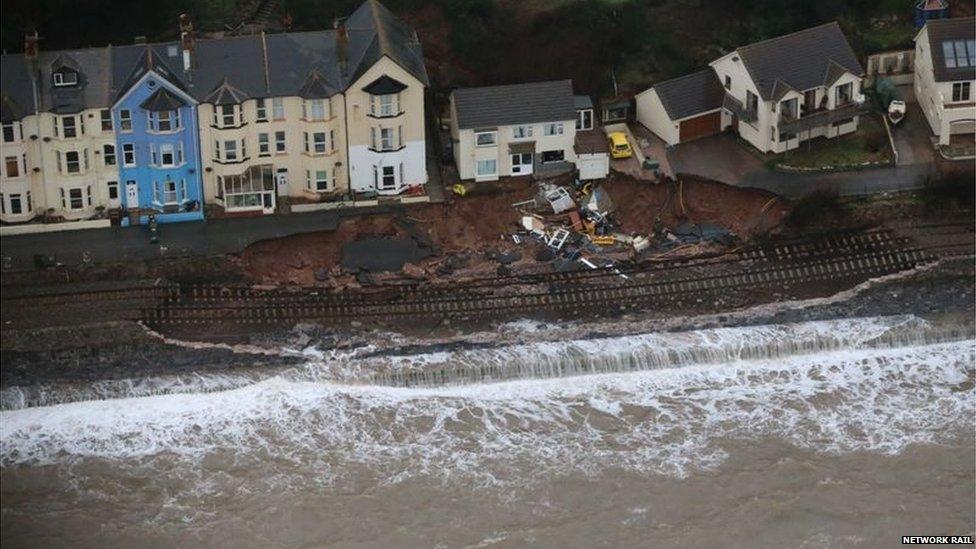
[(158, 145)]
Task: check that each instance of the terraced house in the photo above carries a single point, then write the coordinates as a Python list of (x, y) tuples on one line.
[(58, 143), (775, 94), (245, 123)]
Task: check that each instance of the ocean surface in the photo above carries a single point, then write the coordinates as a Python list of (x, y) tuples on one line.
[(837, 433)]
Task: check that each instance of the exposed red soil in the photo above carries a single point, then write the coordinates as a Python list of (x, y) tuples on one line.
[(482, 221)]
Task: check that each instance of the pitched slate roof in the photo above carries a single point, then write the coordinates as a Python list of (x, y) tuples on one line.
[(691, 94), (802, 60), (514, 104), (374, 31), (162, 100), (947, 30), (302, 64)]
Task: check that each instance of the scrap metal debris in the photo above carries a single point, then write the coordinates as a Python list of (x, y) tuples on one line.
[(575, 224)]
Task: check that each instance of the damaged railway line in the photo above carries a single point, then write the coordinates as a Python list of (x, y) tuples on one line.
[(793, 268), (790, 269)]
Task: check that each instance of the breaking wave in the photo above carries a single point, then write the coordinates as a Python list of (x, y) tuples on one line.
[(876, 384)]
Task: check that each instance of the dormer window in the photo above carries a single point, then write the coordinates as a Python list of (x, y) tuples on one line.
[(315, 109), (385, 105), (228, 116), (384, 97), (65, 77), (164, 121)]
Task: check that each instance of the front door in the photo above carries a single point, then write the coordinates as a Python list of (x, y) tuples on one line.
[(131, 194), (281, 181), (522, 164), (268, 202)]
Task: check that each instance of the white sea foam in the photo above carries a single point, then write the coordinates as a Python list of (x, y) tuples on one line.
[(669, 421)]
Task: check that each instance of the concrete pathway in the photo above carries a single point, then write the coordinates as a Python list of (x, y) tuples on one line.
[(215, 237)]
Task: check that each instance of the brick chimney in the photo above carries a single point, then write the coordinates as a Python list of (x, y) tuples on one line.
[(187, 44), (342, 45), (31, 45)]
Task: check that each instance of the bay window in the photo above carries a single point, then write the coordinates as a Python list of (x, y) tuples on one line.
[(317, 180), (227, 116), (164, 121), (230, 150), (68, 127), (314, 109), (278, 108), (384, 105), (167, 156)]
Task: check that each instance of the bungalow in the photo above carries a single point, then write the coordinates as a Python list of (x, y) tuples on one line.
[(945, 75), (521, 129), (774, 94)]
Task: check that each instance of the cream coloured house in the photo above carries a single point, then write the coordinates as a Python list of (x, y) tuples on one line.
[(322, 115), (945, 76), (58, 143), (775, 94), (279, 118), (513, 130)]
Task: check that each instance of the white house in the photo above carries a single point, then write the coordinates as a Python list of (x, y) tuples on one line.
[(774, 94), (945, 75), (517, 130)]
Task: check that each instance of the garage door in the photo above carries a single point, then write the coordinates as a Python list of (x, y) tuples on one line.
[(962, 126), (706, 124), (593, 166)]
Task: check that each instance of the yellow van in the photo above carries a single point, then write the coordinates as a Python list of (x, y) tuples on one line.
[(619, 147)]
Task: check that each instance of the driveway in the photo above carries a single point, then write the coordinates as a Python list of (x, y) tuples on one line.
[(913, 137), (726, 159)]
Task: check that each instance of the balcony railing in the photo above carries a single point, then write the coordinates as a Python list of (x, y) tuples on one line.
[(735, 106), (790, 124)]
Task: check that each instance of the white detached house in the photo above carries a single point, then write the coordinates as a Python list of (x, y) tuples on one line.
[(774, 94), (945, 75)]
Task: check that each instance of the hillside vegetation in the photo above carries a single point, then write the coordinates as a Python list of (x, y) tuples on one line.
[(475, 42)]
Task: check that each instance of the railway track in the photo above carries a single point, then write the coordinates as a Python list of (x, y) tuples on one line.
[(843, 257), (836, 259)]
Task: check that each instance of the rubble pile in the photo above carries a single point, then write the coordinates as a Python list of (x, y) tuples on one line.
[(577, 227)]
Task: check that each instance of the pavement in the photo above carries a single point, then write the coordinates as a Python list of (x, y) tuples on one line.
[(724, 158), (213, 237)]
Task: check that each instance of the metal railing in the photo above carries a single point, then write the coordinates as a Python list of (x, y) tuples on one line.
[(789, 124)]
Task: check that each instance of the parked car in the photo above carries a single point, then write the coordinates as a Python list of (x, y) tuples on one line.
[(619, 146)]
